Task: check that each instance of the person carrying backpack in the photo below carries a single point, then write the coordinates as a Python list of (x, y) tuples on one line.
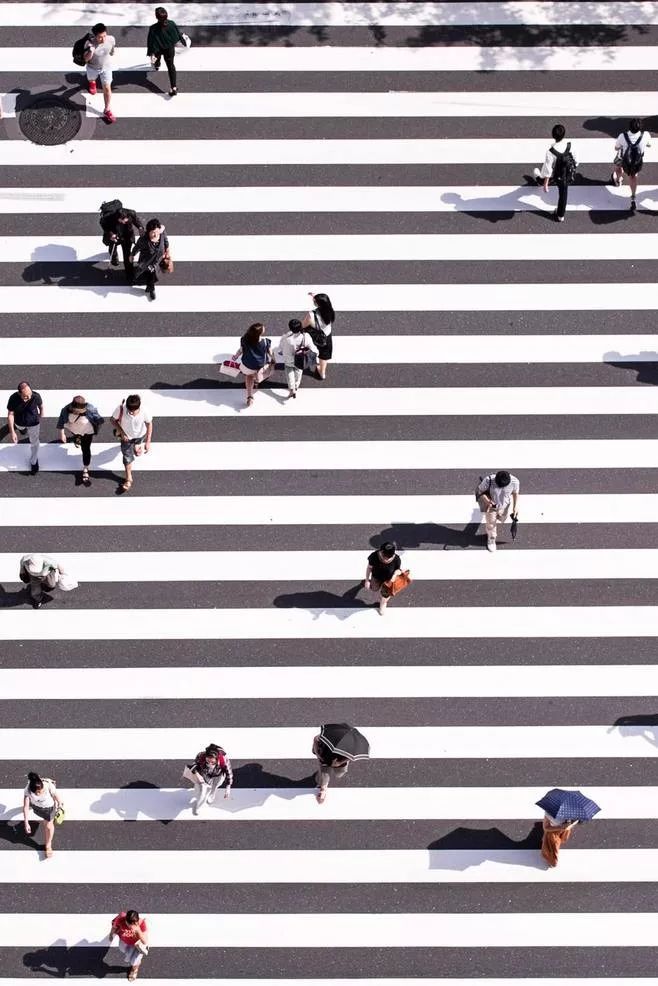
[(629, 156), (560, 167), (120, 227)]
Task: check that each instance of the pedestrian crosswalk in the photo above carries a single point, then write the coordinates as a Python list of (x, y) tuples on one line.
[(381, 153)]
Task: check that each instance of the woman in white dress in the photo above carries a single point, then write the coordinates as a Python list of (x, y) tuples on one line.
[(41, 797)]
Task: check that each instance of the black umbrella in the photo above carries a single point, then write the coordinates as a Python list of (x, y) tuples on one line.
[(515, 526), (345, 740)]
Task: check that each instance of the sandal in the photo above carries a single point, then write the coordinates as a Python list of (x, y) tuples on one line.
[(250, 401), (48, 852), (86, 481), (132, 975), (127, 483)]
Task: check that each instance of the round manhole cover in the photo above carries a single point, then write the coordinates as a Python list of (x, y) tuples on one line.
[(50, 120)]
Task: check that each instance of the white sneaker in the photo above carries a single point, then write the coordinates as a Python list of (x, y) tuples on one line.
[(491, 544), (537, 174), (210, 800), (195, 808)]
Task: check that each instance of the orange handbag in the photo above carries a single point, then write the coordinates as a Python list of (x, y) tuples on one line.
[(396, 585)]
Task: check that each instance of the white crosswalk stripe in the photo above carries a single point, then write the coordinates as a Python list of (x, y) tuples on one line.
[(381, 153)]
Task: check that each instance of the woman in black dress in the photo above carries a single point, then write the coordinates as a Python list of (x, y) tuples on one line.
[(320, 321)]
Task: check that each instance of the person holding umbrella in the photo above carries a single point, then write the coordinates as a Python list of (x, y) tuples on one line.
[(335, 746), (563, 810)]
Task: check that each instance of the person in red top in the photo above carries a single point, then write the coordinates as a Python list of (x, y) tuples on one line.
[(133, 939)]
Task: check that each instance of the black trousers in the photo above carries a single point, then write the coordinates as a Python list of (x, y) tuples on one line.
[(168, 55), (126, 246), (562, 196), (85, 446)]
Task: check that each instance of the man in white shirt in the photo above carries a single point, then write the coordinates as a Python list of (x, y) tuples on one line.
[(98, 51), (494, 494), (629, 156), (554, 168), (133, 426)]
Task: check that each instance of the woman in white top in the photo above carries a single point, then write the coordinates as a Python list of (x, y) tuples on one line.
[(41, 796), (319, 321), (81, 420), (295, 345)]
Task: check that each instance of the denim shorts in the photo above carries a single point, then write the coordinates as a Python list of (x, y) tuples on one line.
[(128, 449)]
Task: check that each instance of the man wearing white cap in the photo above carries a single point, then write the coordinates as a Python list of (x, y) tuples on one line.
[(41, 572)]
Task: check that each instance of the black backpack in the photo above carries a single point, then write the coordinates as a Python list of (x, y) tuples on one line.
[(632, 157), (78, 50), (107, 210), (565, 165)]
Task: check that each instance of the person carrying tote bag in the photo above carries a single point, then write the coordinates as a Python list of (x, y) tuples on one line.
[(40, 796), (256, 359)]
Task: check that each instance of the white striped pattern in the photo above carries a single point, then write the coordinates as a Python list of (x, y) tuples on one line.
[(437, 930), (372, 866), (436, 349), (557, 508), (301, 198), (404, 681), (356, 298), (370, 247), (357, 401), (327, 622), (259, 456), (80, 153), (304, 566), (345, 804)]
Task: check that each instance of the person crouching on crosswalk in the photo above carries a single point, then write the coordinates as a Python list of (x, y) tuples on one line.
[(211, 768), (132, 933), (495, 493)]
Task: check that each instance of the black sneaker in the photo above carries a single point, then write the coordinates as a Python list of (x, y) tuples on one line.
[(34, 468), (151, 293), (114, 259), (633, 205), (37, 603)]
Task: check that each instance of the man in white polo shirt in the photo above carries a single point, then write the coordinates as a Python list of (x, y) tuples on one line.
[(133, 426), (629, 156), (494, 494), (98, 52)]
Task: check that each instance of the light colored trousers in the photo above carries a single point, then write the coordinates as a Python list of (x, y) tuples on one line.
[(203, 791), (33, 435), (492, 518), (293, 376)]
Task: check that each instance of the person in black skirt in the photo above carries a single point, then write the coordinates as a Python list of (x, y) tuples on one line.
[(320, 321)]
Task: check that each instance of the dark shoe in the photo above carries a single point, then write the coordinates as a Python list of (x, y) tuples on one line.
[(34, 468), (173, 91), (114, 258), (36, 603), (151, 294), (633, 205), (86, 481)]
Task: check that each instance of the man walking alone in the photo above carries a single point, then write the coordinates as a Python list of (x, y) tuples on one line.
[(98, 51), (24, 412), (559, 166)]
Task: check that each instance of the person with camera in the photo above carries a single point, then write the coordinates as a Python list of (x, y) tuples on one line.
[(133, 426), (150, 255)]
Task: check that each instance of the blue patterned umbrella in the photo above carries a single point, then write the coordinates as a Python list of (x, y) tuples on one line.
[(568, 805)]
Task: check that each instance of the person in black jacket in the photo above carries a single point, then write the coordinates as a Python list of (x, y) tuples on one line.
[(151, 254), (161, 43), (120, 228)]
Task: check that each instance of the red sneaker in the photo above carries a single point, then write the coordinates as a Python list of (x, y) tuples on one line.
[(91, 86), (109, 116)]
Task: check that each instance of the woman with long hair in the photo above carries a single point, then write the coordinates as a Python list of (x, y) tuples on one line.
[(320, 322), (256, 359)]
